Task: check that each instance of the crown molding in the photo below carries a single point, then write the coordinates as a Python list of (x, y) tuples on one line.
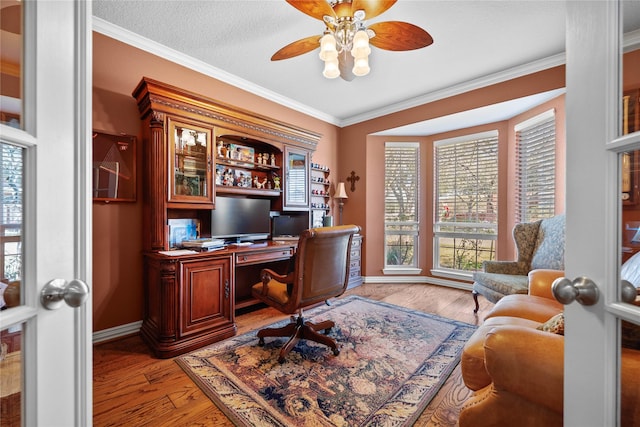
[(136, 40), (502, 76), (128, 37)]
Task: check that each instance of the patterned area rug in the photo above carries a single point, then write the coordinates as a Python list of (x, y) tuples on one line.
[(392, 362)]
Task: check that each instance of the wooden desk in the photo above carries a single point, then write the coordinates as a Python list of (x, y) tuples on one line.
[(190, 300)]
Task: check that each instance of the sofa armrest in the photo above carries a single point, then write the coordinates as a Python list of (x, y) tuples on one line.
[(540, 282), (505, 267), (527, 363)]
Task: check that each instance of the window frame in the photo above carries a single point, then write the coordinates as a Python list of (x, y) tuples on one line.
[(439, 225), (413, 225)]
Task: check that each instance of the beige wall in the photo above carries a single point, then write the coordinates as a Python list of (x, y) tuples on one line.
[(118, 68)]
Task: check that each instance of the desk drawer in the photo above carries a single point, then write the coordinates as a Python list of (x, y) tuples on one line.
[(259, 257)]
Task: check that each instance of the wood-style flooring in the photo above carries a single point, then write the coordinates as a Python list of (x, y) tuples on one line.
[(131, 388)]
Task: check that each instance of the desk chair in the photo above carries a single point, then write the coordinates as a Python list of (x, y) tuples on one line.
[(321, 272)]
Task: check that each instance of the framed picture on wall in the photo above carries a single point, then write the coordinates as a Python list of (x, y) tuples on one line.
[(114, 167)]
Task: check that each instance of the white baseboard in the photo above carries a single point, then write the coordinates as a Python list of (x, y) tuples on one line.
[(418, 279), (117, 332)]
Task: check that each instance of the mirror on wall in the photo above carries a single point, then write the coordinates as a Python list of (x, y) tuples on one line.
[(114, 167)]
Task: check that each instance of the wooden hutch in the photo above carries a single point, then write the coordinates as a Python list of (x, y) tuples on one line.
[(189, 143)]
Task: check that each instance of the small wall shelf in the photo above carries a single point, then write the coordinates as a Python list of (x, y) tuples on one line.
[(320, 194)]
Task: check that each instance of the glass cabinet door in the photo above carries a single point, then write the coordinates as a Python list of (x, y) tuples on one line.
[(190, 164), (296, 190)]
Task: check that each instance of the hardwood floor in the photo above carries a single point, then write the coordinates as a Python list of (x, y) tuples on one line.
[(131, 388)]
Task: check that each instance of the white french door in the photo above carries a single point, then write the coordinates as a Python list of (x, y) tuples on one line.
[(595, 146), (53, 134)]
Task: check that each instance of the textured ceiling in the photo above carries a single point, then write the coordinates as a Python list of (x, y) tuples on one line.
[(475, 43)]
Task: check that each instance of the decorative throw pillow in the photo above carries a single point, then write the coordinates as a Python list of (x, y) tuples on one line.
[(554, 325)]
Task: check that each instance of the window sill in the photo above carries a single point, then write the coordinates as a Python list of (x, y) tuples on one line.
[(449, 274), (399, 271)]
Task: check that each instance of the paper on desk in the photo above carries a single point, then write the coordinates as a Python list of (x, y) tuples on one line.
[(178, 252)]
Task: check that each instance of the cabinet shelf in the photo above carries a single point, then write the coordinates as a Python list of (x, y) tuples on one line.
[(320, 169), (226, 189), (245, 164)]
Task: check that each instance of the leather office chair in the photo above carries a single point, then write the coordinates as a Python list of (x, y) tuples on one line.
[(321, 272)]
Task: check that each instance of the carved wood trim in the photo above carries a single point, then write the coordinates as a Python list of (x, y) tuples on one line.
[(156, 96)]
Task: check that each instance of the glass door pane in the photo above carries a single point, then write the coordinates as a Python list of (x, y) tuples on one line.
[(11, 51), (191, 163), (629, 321)]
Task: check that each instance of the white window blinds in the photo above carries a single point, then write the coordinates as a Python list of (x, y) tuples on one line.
[(401, 182), (536, 168), (467, 178)]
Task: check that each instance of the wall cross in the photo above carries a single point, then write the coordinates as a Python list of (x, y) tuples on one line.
[(352, 179)]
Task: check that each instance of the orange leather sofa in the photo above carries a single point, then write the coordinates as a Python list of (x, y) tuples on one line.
[(517, 371)]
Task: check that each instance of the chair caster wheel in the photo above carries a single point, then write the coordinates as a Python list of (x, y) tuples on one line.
[(336, 351), (327, 331), (261, 342)]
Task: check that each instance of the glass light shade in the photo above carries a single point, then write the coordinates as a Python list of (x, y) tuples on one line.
[(361, 41), (327, 46), (361, 66), (331, 68)]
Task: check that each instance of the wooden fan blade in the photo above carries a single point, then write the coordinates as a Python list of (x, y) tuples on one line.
[(345, 64), (372, 8), (395, 35), (297, 48), (315, 8)]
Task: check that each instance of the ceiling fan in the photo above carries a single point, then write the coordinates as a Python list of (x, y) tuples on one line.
[(344, 45)]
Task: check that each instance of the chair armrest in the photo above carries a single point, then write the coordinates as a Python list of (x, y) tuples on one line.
[(528, 363), (505, 267), (540, 282), (267, 275)]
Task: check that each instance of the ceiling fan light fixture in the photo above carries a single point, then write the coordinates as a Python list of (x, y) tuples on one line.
[(328, 46), (346, 32), (361, 66), (361, 44), (331, 68)]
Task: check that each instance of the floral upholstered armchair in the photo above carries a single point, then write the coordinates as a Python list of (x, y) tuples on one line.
[(540, 245)]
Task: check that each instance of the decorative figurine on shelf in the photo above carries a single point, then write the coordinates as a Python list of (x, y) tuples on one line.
[(273, 159), (220, 147), (259, 184), (227, 178), (276, 182), (218, 177), (258, 158)]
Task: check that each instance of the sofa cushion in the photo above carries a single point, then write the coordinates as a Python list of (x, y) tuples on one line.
[(549, 253), (554, 325), (474, 373), (504, 284), (539, 309)]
